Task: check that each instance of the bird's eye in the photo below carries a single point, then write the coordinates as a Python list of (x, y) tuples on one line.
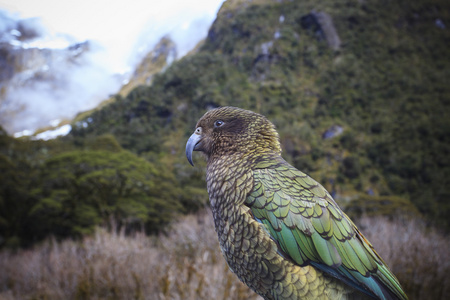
[(218, 123)]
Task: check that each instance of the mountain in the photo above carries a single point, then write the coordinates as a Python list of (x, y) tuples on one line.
[(357, 91), (154, 62), (25, 70), (382, 83), (35, 69), (27, 67), (162, 55), (46, 78)]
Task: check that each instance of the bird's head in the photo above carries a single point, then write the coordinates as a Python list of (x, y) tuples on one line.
[(230, 130)]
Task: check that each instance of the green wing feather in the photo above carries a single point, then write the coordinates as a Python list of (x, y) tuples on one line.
[(310, 228)]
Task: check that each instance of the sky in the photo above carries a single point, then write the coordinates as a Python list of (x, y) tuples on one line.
[(122, 27), (124, 30)]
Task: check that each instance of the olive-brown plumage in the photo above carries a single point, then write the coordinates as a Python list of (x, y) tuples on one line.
[(279, 230)]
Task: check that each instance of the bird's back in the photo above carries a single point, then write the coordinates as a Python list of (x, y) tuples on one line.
[(252, 254), (280, 231)]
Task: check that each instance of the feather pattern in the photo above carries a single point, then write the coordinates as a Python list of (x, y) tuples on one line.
[(310, 228), (279, 230)]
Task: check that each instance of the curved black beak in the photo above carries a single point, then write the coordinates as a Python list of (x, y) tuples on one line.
[(190, 146)]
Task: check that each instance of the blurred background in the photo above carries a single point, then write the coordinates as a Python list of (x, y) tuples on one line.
[(60, 58), (97, 100)]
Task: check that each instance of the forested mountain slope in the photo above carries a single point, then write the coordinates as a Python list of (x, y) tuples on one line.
[(383, 91), (358, 91)]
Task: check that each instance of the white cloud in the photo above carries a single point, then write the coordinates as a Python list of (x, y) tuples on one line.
[(124, 32), (120, 26)]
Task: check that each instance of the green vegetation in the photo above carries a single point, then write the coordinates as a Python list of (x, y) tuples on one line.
[(386, 88), (124, 165), (81, 189), (67, 192)]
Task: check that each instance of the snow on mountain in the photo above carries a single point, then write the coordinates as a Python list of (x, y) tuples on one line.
[(47, 75)]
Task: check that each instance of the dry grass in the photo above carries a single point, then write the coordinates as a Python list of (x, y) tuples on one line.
[(417, 255), (187, 264)]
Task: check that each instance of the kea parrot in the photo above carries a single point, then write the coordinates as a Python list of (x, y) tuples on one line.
[(279, 230)]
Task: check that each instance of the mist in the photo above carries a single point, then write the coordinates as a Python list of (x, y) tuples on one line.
[(65, 72)]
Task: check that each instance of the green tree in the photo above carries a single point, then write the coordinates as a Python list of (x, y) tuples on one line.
[(82, 189), (14, 202)]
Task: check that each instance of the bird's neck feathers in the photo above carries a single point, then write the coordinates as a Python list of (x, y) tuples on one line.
[(265, 140), (229, 173)]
